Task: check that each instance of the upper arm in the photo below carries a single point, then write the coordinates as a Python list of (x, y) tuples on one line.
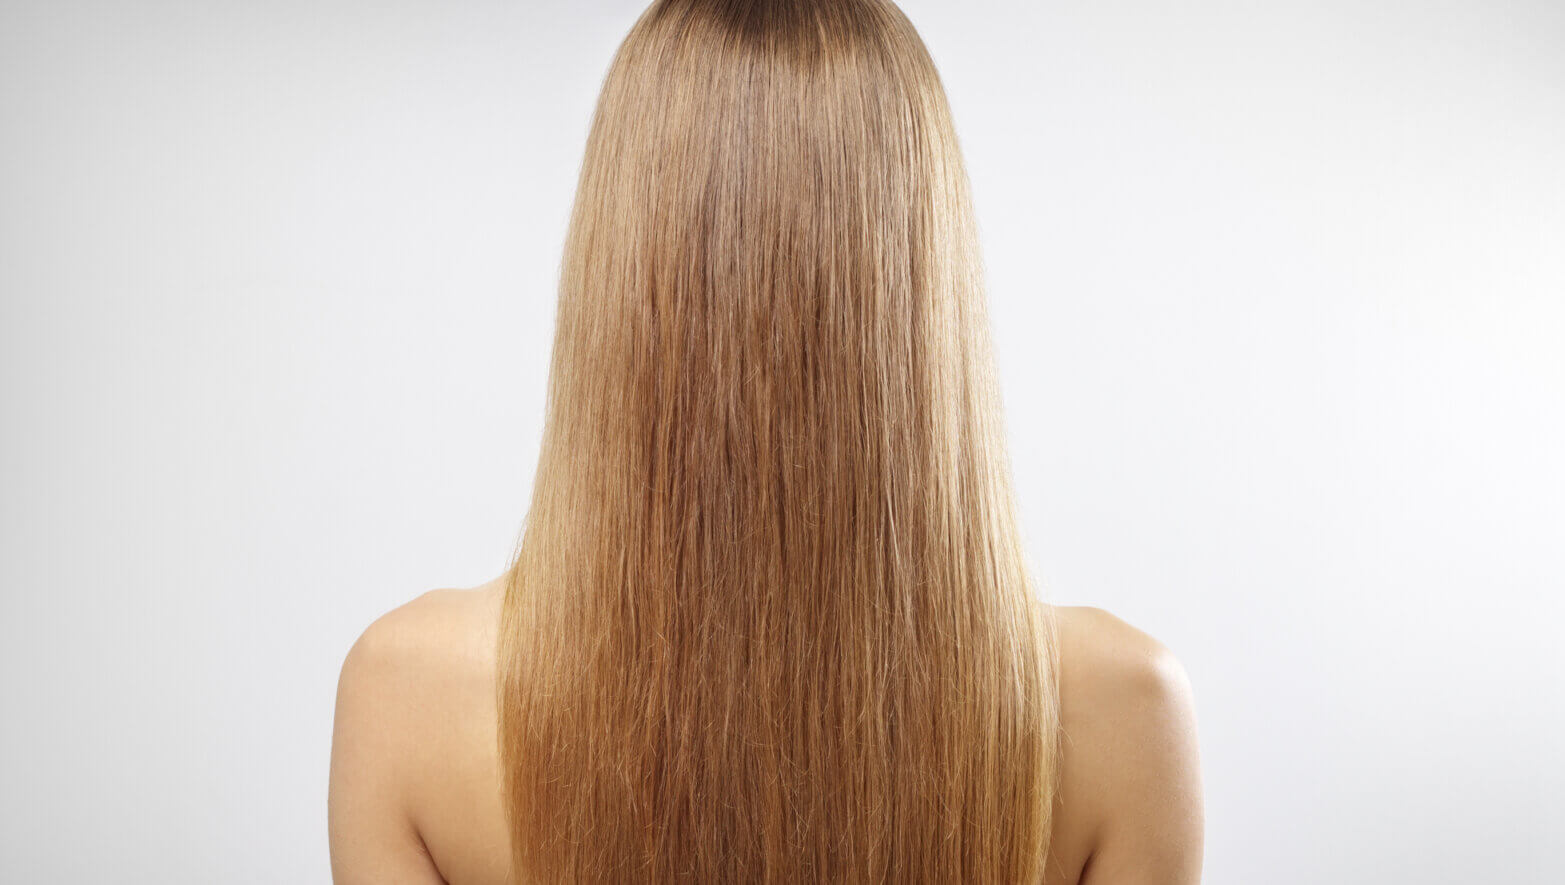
[(372, 833), (1131, 764)]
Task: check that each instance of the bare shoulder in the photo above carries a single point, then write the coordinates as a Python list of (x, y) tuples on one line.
[(413, 742), (1111, 662), (440, 633), (1130, 805), (422, 660)]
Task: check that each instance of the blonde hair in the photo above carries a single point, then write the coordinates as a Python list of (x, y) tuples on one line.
[(769, 618)]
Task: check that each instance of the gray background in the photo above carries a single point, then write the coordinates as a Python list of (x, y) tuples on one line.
[(1279, 291)]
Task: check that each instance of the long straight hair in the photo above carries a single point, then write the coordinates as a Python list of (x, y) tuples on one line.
[(769, 617)]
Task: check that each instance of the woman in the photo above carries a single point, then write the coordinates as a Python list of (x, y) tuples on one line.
[(769, 618)]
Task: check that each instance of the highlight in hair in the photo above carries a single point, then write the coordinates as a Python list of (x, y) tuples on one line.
[(769, 618)]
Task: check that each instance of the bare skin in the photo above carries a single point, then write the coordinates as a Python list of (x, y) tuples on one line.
[(414, 770)]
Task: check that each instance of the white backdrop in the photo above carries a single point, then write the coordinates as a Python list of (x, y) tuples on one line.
[(1279, 291)]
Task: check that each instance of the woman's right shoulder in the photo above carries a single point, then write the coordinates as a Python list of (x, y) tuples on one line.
[(1130, 806)]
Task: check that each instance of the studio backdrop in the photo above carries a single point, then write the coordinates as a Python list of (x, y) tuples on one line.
[(1278, 294)]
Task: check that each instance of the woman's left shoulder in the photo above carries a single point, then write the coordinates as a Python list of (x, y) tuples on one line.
[(413, 768)]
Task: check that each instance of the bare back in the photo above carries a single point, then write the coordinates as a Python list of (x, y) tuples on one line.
[(415, 790)]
